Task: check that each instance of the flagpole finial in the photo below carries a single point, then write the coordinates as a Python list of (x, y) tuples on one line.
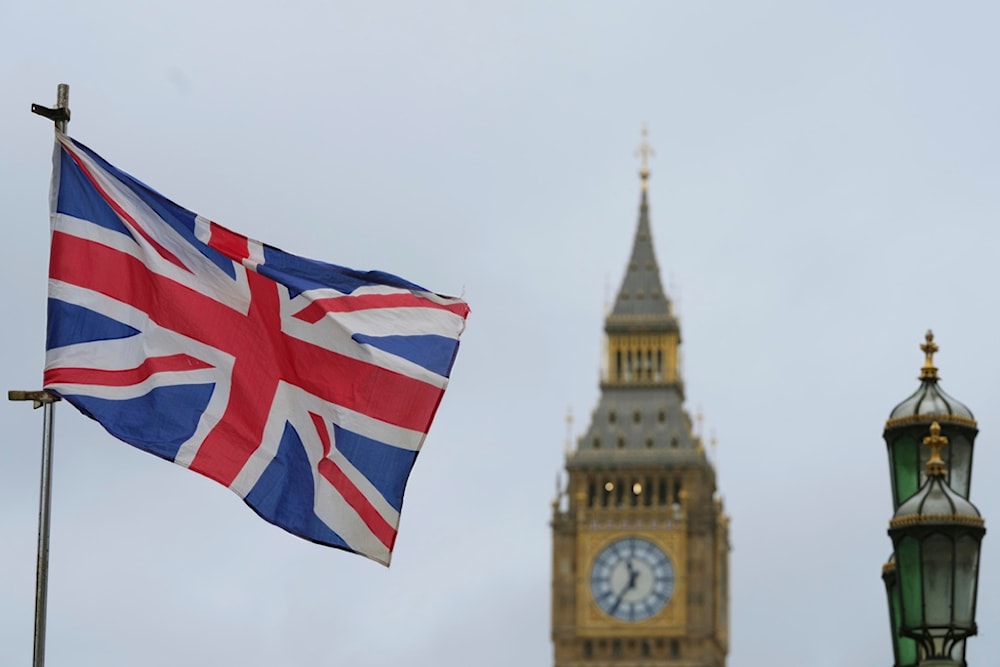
[(58, 114)]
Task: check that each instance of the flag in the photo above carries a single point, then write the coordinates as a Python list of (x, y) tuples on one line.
[(306, 388)]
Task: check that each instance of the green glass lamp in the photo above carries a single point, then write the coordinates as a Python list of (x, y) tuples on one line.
[(936, 536), (908, 423)]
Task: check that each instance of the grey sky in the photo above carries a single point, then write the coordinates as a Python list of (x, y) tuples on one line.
[(824, 191)]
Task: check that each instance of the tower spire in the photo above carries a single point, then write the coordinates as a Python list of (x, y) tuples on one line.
[(641, 293), (642, 331)]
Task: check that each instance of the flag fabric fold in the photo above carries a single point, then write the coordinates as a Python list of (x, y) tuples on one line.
[(306, 388)]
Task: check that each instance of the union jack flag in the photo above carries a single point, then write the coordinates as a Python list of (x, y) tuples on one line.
[(306, 388)]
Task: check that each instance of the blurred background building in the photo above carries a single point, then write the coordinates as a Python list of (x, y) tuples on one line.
[(640, 556)]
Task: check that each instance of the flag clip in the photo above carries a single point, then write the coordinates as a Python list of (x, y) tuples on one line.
[(57, 115), (38, 397)]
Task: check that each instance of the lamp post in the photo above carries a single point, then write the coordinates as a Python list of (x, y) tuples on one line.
[(932, 577)]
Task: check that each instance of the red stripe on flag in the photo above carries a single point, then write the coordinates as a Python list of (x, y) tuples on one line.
[(163, 252), (321, 429), (234, 246), (330, 471), (127, 377), (315, 311)]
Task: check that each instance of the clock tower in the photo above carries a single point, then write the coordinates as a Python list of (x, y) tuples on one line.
[(640, 554)]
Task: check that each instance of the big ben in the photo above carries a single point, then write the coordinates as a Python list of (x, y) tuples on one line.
[(640, 558)]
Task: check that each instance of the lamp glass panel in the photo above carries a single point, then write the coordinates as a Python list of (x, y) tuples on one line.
[(910, 582), (966, 575), (959, 464), (937, 555), (905, 468), (906, 648)]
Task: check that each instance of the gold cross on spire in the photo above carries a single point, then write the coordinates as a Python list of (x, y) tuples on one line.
[(644, 152), (929, 372)]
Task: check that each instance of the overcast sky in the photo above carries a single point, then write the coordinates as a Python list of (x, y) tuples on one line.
[(824, 190)]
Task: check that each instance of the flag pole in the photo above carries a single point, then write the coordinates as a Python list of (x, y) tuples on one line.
[(60, 116), (46, 401)]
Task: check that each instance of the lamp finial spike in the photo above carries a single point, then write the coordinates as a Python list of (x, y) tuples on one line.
[(929, 347)]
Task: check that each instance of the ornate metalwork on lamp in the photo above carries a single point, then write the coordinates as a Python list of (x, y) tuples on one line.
[(929, 372), (935, 466)]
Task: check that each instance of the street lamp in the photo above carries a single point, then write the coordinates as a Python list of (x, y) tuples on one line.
[(936, 536), (908, 423)]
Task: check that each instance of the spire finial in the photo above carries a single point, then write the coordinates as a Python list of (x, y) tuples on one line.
[(644, 151), (929, 347), (935, 466)]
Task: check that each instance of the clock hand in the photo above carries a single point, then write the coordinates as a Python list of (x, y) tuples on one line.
[(632, 575), (618, 601)]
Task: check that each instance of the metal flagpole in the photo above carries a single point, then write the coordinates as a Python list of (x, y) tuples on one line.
[(45, 400)]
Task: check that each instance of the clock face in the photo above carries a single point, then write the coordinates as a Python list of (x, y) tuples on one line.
[(632, 579)]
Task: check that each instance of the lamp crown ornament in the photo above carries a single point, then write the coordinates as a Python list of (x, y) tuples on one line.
[(930, 402), (929, 347), (935, 465)]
